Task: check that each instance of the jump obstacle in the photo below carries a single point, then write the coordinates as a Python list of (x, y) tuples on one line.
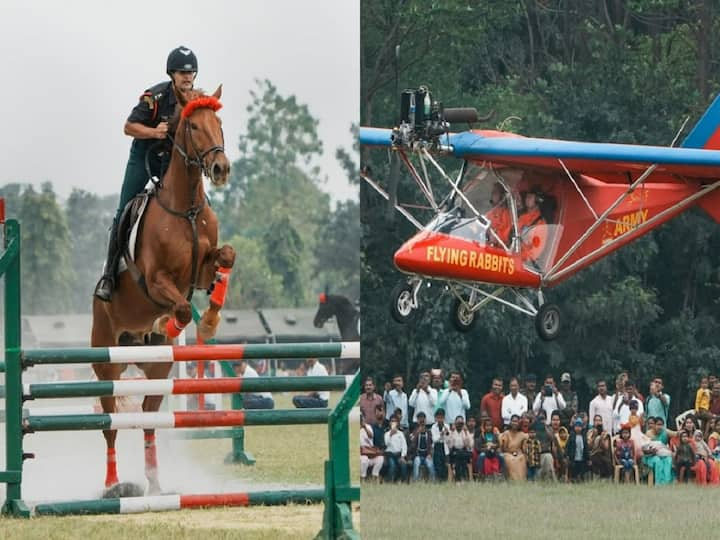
[(337, 495)]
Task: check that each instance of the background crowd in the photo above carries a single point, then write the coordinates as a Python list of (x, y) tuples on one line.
[(538, 430)]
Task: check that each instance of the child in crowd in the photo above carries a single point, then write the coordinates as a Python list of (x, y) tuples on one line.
[(625, 451), (702, 404), (562, 464), (684, 458), (578, 451), (531, 449)]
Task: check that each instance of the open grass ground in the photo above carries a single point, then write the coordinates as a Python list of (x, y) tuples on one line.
[(287, 456), (255, 523), (588, 511)]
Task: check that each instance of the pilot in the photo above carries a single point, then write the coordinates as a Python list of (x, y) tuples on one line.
[(532, 240), (499, 215)]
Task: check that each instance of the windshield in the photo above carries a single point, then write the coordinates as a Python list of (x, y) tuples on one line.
[(517, 209), (454, 223)]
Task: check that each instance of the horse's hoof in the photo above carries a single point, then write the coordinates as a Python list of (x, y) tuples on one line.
[(159, 325), (123, 489), (207, 326)]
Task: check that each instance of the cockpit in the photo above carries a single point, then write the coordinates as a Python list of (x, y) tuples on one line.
[(503, 207)]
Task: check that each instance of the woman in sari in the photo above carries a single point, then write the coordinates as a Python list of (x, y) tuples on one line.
[(511, 448), (704, 455), (658, 456)]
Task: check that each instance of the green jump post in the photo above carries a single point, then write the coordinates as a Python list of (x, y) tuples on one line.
[(238, 453), (339, 493), (10, 267)]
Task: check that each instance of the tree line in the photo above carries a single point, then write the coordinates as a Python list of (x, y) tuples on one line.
[(604, 71)]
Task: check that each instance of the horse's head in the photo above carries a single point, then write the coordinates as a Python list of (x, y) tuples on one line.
[(324, 312), (199, 136)]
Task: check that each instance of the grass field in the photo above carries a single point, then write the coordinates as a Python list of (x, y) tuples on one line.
[(587, 511), (286, 456)]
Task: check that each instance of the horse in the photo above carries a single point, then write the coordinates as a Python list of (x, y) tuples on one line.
[(345, 313), (175, 253)]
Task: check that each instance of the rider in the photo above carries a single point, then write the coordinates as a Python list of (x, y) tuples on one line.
[(499, 215), (147, 124), (530, 218)]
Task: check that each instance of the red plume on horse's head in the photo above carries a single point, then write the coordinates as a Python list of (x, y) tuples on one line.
[(323, 298), (204, 102)]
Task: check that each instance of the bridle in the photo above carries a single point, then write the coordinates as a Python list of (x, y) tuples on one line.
[(199, 159)]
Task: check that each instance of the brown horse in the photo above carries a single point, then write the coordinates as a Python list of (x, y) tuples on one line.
[(176, 252)]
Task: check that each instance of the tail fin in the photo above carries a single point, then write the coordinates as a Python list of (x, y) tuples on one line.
[(706, 133)]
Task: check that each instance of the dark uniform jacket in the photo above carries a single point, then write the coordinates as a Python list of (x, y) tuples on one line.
[(157, 104)]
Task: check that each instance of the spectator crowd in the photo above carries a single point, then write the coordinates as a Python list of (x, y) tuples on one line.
[(537, 432)]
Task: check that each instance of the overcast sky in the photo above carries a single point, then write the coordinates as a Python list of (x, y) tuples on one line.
[(73, 70)]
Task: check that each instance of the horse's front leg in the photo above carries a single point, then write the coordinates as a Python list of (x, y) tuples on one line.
[(162, 288), (216, 273)]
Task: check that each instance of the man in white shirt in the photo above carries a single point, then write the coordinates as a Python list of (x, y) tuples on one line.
[(602, 405), (396, 398), (261, 400), (396, 452), (621, 413), (313, 400), (513, 403), (454, 399), (548, 399), (423, 397)]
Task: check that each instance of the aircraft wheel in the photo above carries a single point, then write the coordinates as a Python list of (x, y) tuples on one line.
[(401, 299), (461, 317), (547, 322)]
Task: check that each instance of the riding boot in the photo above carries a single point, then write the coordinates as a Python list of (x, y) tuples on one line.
[(104, 287)]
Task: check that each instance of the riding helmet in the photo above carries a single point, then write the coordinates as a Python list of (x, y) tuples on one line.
[(181, 59)]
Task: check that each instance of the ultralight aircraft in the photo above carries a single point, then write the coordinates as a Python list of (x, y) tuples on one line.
[(524, 214)]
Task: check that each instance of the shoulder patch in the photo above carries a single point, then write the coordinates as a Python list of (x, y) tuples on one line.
[(148, 98)]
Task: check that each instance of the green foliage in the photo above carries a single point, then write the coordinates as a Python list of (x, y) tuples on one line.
[(46, 248), (253, 284), (275, 199), (85, 212), (337, 254), (596, 71), (285, 252)]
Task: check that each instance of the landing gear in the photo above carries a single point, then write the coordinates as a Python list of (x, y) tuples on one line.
[(403, 301), (547, 322), (461, 316)]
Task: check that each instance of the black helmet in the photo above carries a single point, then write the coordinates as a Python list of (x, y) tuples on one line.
[(181, 59)]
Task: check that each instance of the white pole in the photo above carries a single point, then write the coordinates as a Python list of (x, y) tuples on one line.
[(180, 401)]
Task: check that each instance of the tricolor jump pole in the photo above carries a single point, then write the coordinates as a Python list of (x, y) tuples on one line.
[(10, 267), (238, 454), (159, 503), (339, 493)]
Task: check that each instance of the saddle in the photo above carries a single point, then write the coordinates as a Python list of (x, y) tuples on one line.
[(129, 228)]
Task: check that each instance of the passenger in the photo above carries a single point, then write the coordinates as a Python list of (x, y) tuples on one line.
[(533, 243), (499, 216)]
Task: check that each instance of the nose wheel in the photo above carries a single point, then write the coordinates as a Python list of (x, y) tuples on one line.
[(547, 322), (403, 306), (462, 317)]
